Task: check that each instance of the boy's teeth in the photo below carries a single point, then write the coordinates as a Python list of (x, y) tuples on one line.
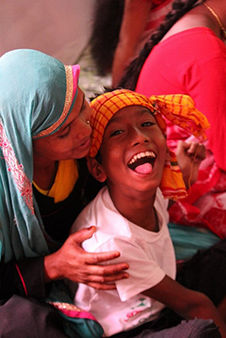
[(141, 155)]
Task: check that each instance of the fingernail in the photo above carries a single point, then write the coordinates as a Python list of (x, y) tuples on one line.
[(91, 227)]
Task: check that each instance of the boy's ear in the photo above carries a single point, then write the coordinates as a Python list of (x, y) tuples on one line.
[(96, 169)]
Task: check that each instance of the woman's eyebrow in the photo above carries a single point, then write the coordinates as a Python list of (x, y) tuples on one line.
[(61, 130)]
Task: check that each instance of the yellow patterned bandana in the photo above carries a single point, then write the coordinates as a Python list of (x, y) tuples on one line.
[(179, 109)]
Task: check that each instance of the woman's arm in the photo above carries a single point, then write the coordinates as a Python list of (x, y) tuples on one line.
[(23, 278), (187, 303), (135, 17), (29, 276), (74, 263)]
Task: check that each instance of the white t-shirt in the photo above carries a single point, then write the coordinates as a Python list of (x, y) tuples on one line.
[(150, 256)]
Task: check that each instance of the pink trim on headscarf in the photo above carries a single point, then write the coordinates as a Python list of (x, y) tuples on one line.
[(17, 170), (75, 72)]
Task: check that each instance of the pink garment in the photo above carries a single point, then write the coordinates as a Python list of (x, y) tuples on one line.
[(193, 62)]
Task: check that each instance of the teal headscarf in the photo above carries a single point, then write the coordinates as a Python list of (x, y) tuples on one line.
[(37, 93)]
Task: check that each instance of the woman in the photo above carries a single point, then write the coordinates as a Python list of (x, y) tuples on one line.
[(187, 55), (128, 23), (44, 127), (140, 19)]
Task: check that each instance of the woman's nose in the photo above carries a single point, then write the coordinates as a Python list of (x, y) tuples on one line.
[(84, 129)]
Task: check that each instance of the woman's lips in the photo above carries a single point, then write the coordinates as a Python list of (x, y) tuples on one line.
[(85, 144)]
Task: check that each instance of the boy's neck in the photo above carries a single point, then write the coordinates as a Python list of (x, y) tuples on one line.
[(138, 209)]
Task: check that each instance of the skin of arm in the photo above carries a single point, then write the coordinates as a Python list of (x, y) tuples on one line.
[(74, 263), (135, 16), (187, 303), (189, 157)]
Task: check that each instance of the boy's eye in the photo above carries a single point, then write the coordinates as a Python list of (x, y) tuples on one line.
[(147, 124), (116, 132)]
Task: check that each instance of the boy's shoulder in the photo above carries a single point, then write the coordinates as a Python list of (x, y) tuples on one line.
[(101, 213), (90, 211)]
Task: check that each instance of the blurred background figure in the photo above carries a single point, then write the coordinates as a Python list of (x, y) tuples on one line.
[(121, 28), (187, 55)]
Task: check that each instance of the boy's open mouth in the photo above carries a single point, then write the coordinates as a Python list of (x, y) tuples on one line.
[(143, 162)]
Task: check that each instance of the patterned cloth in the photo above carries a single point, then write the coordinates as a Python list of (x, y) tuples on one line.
[(66, 177), (179, 109), (37, 94)]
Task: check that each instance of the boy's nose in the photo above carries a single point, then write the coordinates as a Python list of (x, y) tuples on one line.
[(138, 137)]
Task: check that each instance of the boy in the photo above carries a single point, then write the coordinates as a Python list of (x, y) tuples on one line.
[(129, 152)]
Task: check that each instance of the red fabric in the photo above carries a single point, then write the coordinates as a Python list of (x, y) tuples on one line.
[(193, 62)]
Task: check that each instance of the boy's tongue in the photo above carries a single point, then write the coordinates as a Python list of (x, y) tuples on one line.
[(145, 168)]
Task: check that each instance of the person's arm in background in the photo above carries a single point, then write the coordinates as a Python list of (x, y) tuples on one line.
[(189, 157), (187, 303), (135, 17)]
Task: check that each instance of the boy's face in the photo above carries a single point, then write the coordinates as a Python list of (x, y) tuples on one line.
[(133, 150)]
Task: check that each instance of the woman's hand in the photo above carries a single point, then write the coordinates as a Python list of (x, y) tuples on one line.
[(74, 263), (189, 157)]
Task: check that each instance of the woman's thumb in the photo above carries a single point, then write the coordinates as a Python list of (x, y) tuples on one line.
[(83, 234)]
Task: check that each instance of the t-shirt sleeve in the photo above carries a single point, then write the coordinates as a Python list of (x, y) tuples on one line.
[(144, 272)]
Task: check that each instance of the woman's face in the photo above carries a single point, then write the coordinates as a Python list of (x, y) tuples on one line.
[(72, 140)]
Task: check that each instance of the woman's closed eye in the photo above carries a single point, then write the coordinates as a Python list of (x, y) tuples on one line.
[(65, 131), (116, 132)]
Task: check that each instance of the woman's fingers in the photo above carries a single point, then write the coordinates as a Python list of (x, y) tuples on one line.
[(74, 263), (100, 257), (105, 282), (100, 275), (102, 278), (197, 150), (193, 150), (100, 286), (107, 270)]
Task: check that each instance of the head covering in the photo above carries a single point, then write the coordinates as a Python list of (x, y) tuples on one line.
[(179, 109), (36, 96)]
